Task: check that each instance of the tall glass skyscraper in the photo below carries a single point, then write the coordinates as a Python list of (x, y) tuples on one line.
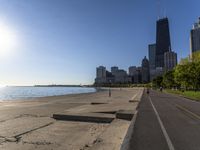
[(163, 43), (195, 37), (152, 56)]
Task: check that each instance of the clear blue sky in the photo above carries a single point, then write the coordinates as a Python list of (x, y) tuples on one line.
[(63, 41)]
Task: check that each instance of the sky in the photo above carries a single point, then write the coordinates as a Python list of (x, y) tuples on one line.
[(63, 41)]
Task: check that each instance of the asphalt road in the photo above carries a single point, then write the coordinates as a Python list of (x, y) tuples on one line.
[(166, 122)]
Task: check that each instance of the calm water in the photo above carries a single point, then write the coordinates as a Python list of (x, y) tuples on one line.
[(15, 93)]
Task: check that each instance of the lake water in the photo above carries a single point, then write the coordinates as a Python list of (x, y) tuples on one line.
[(16, 93)]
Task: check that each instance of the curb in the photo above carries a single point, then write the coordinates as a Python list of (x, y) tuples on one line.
[(126, 142)]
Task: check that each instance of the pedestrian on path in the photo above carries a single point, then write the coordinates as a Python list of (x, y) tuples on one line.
[(161, 88)]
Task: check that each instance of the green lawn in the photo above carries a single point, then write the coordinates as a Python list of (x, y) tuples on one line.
[(189, 94)]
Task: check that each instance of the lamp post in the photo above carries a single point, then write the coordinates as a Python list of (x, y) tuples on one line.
[(110, 88)]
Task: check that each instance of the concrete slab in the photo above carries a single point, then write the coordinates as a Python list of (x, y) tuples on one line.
[(85, 117), (125, 114), (22, 125), (62, 135), (112, 137), (110, 107)]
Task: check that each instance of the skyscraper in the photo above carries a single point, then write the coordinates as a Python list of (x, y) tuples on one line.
[(100, 75), (138, 76), (152, 56), (195, 37), (132, 70), (162, 41), (101, 72), (145, 70), (114, 70), (170, 60)]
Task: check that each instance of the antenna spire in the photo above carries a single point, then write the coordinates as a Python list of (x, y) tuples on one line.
[(161, 12), (158, 8)]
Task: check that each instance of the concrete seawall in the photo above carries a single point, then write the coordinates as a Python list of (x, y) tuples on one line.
[(127, 139)]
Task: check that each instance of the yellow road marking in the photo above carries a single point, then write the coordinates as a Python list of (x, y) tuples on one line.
[(188, 111)]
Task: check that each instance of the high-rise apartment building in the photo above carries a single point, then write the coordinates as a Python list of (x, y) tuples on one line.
[(115, 76), (162, 40), (114, 70), (152, 56), (101, 72), (138, 76), (132, 70), (100, 75), (170, 60), (195, 37)]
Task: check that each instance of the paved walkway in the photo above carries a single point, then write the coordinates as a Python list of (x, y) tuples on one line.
[(166, 122)]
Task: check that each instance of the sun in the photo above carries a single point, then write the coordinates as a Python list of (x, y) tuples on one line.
[(8, 40)]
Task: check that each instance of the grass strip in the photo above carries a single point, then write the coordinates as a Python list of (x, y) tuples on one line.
[(188, 94)]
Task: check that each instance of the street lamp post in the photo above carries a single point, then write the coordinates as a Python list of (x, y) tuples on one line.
[(110, 88)]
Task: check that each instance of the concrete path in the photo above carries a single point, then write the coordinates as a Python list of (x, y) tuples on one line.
[(166, 122)]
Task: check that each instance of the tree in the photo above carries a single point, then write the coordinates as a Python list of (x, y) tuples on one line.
[(169, 80), (182, 76), (196, 56), (198, 70), (158, 81), (193, 74), (194, 70)]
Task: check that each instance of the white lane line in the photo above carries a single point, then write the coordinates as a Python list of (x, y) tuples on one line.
[(169, 143)]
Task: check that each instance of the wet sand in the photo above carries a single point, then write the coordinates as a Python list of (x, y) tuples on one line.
[(28, 124)]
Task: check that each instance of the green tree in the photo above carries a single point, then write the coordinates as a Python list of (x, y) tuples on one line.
[(196, 56), (169, 80), (158, 81), (193, 74), (194, 70), (181, 75), (198, 70)]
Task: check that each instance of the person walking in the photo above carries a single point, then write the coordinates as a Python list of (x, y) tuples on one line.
[(161, 89), (147, 90)]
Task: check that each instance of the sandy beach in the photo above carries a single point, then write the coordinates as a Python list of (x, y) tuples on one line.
[(29, 124)]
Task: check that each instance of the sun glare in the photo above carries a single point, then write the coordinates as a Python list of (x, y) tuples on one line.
[(8, 40), (2, 86)]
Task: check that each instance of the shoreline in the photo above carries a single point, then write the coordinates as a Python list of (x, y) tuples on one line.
[(41, 97), (47, 98), (32, 99)]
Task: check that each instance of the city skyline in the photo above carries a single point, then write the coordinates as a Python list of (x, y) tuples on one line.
[(62, 43)]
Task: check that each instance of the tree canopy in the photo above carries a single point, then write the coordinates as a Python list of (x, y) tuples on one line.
[(186, 74)]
